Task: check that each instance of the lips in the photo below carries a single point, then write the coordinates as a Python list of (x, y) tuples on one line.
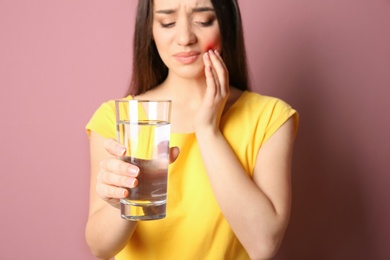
[(187, 57)]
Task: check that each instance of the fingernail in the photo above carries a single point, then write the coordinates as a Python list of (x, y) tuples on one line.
[(121, 150), (132, 182), (133, 171), (216, 52)]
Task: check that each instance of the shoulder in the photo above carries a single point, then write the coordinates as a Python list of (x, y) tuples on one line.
[(248, 99), (253, 102), (103, 120), (109, 105), (260, 113)]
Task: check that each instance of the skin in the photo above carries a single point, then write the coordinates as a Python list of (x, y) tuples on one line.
[(200, 93)]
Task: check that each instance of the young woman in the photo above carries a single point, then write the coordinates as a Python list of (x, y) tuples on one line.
[(229, 190)]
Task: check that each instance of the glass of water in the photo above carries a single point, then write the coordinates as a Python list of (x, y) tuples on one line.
[(143, 127)]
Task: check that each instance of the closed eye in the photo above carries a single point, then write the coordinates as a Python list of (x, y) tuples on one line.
[(167, 25), (206, 24)]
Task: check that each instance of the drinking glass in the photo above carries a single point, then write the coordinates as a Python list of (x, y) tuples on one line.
[(143, 128)]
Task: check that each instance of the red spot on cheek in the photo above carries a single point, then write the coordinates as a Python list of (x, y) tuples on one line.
[(210, 46)]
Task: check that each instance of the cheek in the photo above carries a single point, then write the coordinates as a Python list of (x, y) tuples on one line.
[(210, 46), (213, 44)]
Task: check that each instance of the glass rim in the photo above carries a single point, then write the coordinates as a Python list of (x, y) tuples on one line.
[(142, 100)]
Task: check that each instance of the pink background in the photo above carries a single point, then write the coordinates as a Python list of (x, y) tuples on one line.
[(329, 59)]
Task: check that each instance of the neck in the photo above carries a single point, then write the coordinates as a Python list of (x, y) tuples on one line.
[(185, 90)]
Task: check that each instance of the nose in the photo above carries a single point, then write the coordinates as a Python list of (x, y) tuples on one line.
[(184, 33)]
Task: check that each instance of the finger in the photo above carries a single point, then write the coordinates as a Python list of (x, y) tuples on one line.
[(112, 179), (216, 64), (221, 71), (173, 154), (107, 192), (114, 148), (219, 65), (211, 79), (218, 55), (119, 167)]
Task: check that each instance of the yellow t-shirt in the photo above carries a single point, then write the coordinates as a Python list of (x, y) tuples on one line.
[(194, 227)]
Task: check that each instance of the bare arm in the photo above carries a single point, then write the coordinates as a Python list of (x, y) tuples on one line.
[(106, 232), (257, 209)]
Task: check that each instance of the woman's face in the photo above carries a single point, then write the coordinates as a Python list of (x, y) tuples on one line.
[(183, 30)]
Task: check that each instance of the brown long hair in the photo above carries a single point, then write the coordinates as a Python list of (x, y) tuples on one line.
[(148, 68)]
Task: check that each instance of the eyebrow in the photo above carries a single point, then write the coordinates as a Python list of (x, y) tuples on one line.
[(194, 10)]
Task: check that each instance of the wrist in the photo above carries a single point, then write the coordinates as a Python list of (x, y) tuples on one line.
[(207, 133)]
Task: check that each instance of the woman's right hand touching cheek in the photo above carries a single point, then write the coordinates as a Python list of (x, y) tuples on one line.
[(115, 175)]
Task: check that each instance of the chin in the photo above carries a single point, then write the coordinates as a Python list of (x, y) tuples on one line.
[(189, 72)]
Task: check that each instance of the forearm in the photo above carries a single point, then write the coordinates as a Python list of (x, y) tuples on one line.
[(250, 213), (107, 233)]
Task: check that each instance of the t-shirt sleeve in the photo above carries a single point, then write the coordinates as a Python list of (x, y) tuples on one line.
[(103, 121), (279, 113)]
